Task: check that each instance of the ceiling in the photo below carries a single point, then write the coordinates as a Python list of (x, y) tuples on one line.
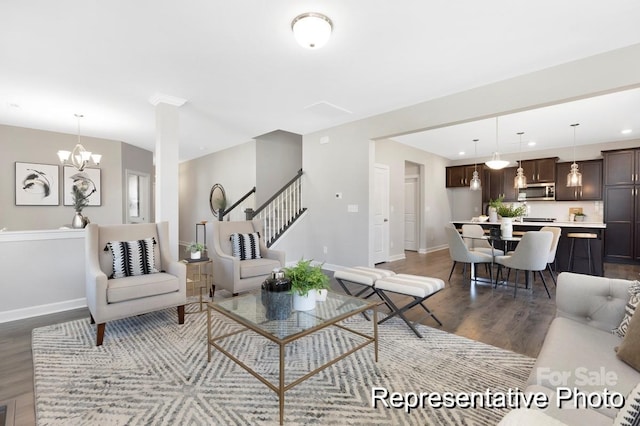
[(600, 118), (243, 75)]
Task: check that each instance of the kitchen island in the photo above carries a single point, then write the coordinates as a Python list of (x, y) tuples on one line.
[(581, 264)]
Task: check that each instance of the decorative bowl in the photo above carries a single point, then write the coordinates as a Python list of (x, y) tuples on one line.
[(483, 218)]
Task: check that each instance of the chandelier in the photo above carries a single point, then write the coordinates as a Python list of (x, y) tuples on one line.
[(520, 181), (496, 163), (79, 157), (312, 30), (574, 178)]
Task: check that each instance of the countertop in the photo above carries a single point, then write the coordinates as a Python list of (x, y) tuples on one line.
[(595, 225)]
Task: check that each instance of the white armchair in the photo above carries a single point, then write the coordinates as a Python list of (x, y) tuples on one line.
[(115, 298), (233, 274)]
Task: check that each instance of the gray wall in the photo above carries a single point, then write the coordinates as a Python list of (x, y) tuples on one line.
[(434, 212), (278, 159), (38, 146), (234, 168), (137, 160)]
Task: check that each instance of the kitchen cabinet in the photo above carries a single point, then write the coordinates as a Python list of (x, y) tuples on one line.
[(460, 176), (541, 170), (591, 189), (621, 167), (622, 205), (499, 183)]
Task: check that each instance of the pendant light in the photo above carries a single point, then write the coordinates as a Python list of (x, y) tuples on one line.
[(496, 163), (475, 184), (79, 157), (520, 181), (574, 178)]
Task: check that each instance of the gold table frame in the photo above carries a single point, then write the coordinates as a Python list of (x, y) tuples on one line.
[(206, 284), (249, 325)]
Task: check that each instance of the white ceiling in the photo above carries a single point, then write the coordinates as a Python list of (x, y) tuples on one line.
[(239, 67), (601, 119)]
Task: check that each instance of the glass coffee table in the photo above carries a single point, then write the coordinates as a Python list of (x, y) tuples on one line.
[(248, 311)]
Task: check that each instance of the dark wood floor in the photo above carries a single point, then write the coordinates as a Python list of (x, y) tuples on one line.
[(476, 311)]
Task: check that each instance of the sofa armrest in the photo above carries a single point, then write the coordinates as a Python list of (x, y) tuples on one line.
[(595, 301), (278, 255)]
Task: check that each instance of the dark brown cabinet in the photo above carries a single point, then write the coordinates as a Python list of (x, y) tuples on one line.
[(591, 189), (542, 170), (499, 183), (460, 176), (622, 205)]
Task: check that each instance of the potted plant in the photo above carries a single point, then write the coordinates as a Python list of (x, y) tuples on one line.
[(195, 249), (580, 217), (493, 208), (507, 212), (305, 281)]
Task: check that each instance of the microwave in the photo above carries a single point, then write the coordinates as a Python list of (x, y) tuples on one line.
[(538, 192)]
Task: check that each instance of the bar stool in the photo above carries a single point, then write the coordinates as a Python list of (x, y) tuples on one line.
[(587, 236)]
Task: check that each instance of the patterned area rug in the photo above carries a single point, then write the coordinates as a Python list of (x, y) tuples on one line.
[(151, 370)]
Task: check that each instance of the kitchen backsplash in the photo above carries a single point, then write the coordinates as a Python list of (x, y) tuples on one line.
[(560, 209)]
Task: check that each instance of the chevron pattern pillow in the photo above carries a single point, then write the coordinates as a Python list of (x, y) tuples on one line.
[(629, 415), (245, 246), (629, 309), (132, 258)]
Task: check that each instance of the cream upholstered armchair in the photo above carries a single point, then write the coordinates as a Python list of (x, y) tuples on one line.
[(231, 272), (142, 278)]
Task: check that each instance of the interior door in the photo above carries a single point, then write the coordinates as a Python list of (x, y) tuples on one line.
[(411, 213), (381, 213), (138, 197)]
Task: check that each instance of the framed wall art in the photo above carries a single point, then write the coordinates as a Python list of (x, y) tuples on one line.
[(88, 179), (37, 184)]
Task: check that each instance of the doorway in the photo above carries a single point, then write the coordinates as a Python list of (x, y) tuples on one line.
[(138, 199), (411, 206), (381, 213)]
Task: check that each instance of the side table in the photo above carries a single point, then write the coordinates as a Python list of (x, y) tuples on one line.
[(200, 278)]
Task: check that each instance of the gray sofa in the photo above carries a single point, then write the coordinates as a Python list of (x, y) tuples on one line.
[(579, 351)]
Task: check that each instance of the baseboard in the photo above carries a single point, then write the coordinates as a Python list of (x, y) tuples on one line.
[(396, 257), (35, 311), (433, 249)]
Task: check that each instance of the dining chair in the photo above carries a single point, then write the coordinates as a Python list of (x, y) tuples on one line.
[(483, 246), (531, 255), (459, 251), (556, 231)]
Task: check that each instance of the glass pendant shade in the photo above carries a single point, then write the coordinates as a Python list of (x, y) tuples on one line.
[(475, 182), (574, 178), (496, 163), (520, 180)]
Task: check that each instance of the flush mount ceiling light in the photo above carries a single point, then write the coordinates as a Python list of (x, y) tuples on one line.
[(79, 157), (574, 178), (520, 181), (475, 180), (311, 30), (496, 163)]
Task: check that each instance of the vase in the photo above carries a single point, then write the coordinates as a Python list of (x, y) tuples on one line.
[(506, 227), (195, 255), (493, 214), (304, 303), (79, 221)]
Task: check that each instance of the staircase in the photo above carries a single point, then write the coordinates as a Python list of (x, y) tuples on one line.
[(279, 212)]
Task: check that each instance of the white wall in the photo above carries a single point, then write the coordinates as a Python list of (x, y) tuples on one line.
[(278, 159)]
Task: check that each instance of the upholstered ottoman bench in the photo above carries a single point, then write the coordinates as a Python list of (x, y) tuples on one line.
[(381, 282)]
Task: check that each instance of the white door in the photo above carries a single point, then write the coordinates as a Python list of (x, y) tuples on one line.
[(381, 213), (411, 213)]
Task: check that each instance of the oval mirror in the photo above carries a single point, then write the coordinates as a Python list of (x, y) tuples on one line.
[(217, 199)]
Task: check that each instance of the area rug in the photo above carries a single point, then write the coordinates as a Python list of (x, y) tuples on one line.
[(153, 371)]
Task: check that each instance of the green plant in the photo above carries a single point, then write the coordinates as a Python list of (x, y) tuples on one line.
[(508, 210), (305, 277), (580, 214), (194, 247), (496, 203)]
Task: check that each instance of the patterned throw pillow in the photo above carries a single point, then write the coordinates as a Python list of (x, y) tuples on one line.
[(132, 257), (629, 309), (629, 415), (245, 246)]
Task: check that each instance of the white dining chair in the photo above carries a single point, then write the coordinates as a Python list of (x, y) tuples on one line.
[(475, 244), (556, 231), (531, 255), (459, 251)]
